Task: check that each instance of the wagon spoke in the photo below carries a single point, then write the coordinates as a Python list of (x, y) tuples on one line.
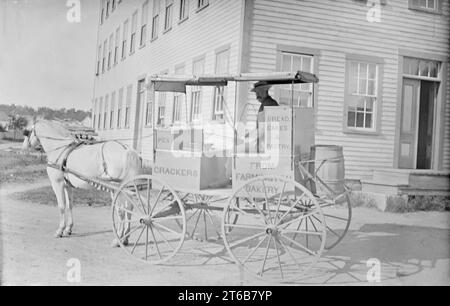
[(298, 227), (206, 227), (166, 228), (254, 250), (301, 232), (315, 228), (156, 201), (278, 256), (335, 217), (148, 194), (129, 199), (196, 224), (290, 208), (265, 257), (235, 244), (289, 252), (156, 243), (164, 238), (138, 194), (245, 226), (296, 219), (146, 244), (328, 228), (213, 224), (267, 201), (131, 232), (165, 206), (298, 245), (247, 214), (137, 241), (306, 236), (279, 203), (127, 211), (256, 207), (193, 214)]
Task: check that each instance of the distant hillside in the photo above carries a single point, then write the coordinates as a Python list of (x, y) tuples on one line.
[(44, 112)]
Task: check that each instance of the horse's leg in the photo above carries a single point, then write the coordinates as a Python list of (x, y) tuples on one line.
[(69, 225), (58, 189), (121, 229), (127, 224)]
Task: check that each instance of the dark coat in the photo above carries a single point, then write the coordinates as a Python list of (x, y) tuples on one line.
[(268, 101)]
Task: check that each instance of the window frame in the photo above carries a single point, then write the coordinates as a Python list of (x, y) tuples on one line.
[(117, 45), (134, 18), (220, 116), (144, 24), (183, 4), (112, 110), (378, 104), (436, 10), (155, 19), (168, 15), (120, 107), (201, 4), (124, 39), (128, 101), (197, 90)]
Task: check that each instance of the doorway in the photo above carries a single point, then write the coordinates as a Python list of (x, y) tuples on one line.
[(417, 124)]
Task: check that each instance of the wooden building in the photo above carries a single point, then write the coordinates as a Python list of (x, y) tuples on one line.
[(383, 93)]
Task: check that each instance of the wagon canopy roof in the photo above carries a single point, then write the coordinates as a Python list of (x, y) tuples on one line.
[(178, 83)]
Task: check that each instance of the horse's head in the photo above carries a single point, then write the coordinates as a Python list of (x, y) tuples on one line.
[(31, 141)]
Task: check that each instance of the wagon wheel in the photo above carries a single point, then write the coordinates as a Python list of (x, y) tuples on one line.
[(203, 221), (270, 238), (149, 219), (338, 215)]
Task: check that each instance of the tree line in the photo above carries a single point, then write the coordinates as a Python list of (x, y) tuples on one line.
[(44, 112)]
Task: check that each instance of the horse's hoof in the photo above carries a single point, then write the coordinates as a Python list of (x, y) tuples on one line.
[(67, 232), (125, 242), (58, 234)]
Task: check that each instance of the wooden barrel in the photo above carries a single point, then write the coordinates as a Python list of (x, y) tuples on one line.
[(330, 168)]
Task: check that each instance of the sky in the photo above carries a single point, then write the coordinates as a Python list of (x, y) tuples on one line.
[(45, 60)]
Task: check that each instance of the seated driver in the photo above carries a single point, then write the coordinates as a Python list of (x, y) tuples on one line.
[(261, 89)]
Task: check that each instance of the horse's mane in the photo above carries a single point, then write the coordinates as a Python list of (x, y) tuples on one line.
[(52, 128)]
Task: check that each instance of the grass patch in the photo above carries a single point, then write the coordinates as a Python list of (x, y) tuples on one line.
[(418, 203), (358, 199), (46, 196), (21, 168), (10, 160)]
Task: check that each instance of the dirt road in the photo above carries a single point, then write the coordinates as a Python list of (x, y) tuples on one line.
[(412, 249)]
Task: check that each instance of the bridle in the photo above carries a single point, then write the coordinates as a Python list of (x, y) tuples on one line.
[(32, 132)]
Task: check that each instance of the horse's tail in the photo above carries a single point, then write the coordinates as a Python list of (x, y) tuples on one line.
[(132, 165)]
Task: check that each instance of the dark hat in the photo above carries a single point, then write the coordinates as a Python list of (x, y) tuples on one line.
[(261, 84)]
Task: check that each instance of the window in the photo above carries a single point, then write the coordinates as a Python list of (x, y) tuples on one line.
[(202, 3), (124, 39), (362, 95), (113, 5), (111, 39), (107, 8), (184, 9), (105, 46), (99, 59), (102, 14), (100, 111), (116, 46), (162, 96), (119, 109), (220, 92), (302, 94), (432, 6), (133, 32), (105, 113), (128, 106), (112, 110), (178, 98), (144, 21), (168, 19), (421, 68), (198, 68), (155, 19)]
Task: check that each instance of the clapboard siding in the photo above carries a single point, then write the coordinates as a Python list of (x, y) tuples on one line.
[(338, 28), (216, 26)]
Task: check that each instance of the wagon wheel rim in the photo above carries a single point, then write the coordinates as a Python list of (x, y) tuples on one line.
[(338, 215), (267, 245), (155, 216)]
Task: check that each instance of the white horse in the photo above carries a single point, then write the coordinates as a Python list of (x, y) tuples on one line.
[(108, 161)]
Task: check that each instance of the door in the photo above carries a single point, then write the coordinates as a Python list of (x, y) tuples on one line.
[(139, 122), (408, 128)]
